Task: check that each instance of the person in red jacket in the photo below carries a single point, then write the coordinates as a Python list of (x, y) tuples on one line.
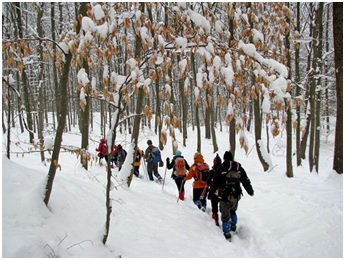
[(199, 186), (102, 150), (113, 156)]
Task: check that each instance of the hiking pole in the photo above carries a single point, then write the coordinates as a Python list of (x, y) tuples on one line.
[(165, 173), (178, 197), (202, 196)]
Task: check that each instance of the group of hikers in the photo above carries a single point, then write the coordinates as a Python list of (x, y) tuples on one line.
[(221, 184), (118, 154)]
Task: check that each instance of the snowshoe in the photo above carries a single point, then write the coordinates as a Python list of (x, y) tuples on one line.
[(216, 219), (181, 195), (233, 228), (228, 237)]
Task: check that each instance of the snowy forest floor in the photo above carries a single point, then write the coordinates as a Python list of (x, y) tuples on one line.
[(287, 217)]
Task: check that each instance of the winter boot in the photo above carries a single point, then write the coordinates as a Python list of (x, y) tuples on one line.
[(227, 236), (233, 222), (198, 203), (215, 217), (181, 195)]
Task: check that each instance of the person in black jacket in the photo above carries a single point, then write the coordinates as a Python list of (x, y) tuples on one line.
[(121, 156), (217, 161), (227, 181), (180, 166)]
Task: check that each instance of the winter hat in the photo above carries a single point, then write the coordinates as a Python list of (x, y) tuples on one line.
[(198, 157), (119, 146), (178, 153), (149, 142), (227, 156), (217, 161)]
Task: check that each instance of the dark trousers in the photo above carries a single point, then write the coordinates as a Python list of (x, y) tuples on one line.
[(196, 197), (152, 168), (180, 183), (136, 170), (214, 203)]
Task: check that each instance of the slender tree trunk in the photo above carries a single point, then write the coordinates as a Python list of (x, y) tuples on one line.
[(85, 119), (318, 91), (257, 116), (313, 125), (55, 74), (8, 148), (61, 118), (289, 170), (139, 104), (41, 83), (197, 120), (338, 59), (298, 91), (24, 80), (232, 131)]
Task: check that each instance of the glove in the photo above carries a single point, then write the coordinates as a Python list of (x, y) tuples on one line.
[(173, 176), (251, 194), (168, 160)]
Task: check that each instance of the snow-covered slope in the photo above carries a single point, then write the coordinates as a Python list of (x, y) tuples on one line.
[(287, 217)]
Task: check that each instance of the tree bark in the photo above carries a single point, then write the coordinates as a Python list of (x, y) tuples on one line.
[(24, 80), (61, 118), (338, 59)]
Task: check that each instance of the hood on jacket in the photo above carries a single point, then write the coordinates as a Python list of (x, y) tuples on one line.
[(198, 158)]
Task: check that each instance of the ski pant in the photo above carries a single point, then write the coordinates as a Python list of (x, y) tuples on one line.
[(214, 203), (200, 202), (101, 156), (228, 215), (153, 168), (180, 183), (136, 170)]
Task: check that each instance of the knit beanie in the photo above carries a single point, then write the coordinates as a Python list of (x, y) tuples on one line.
[(178, 153), (227, 156), (217, 161)]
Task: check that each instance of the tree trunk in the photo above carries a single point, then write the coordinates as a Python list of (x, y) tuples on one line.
[(139, 103), (289, 170), (298, 92), (313, 125), (85, 119), (338, 59), (303, 146), (318, 91), (41, 84), (24, 80), (197, 120), (61, 118)]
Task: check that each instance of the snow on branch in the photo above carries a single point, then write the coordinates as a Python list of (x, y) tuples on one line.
[(250, 50)]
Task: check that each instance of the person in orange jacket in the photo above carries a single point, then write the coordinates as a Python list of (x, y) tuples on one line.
[(199, 186), (137, 162)]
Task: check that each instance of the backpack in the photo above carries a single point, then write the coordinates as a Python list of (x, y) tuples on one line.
[(232, 190), (121, 155), (203, 172), (180, 166), (138, 156), (156, 155)]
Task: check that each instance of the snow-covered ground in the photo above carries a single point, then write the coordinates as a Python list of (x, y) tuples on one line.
[(286, 218)]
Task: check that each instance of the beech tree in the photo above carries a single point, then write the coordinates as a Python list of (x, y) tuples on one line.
[(338, 58)]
